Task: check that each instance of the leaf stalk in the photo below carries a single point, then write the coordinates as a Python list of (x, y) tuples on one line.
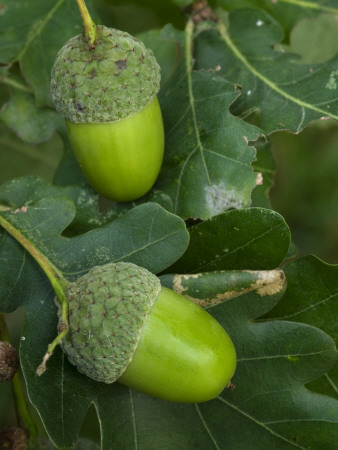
[(89, 27), (57, 280), (16, 84)]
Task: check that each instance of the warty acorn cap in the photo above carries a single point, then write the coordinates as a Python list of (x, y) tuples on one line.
[(115, 78), (108, 308)]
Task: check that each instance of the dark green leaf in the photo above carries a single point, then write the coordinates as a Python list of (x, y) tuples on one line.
[(269, 404), (252, 238), (286, 12), (311, 298), (147, 235), (33, 125), (28, 190), (68, 172), (34, 31), (207, 164), (15, 275), (165, 51), (283, 93), (18, 158)]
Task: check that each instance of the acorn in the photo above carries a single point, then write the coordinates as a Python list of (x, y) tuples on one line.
[(9, 361), (105, 83), (124, 326)]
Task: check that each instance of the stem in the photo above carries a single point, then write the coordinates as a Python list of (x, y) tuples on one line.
[(23, 415), (22, 412), (16, 84), (89, 26), (56, 279), (189, 30)]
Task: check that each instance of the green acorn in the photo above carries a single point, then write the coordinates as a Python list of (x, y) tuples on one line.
[(105, 83), (124, 326)]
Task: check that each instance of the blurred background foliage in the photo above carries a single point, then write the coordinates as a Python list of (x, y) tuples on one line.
[(306, 187)]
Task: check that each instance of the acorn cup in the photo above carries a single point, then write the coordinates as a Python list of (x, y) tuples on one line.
[(123, 326), (105, 85)]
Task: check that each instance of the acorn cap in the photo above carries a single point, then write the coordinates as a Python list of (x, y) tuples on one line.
[(107, 310), (115, 78)]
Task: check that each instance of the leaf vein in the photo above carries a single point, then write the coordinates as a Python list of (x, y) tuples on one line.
[(285, 356), (314, 305), (180, 176), (39, 28), (188, 51), (261, 424), (225, 255), (207, 429), (236, 161), (139, 249), (273, 86)]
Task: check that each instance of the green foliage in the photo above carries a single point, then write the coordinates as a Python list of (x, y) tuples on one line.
[(36, 125), (44, 27), (311, 297), (307, 33), (245, 239), (280, 92), (207, 227), (287, 12)]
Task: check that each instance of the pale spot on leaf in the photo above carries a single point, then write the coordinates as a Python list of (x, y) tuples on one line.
[(220, 199), (332, 83)]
